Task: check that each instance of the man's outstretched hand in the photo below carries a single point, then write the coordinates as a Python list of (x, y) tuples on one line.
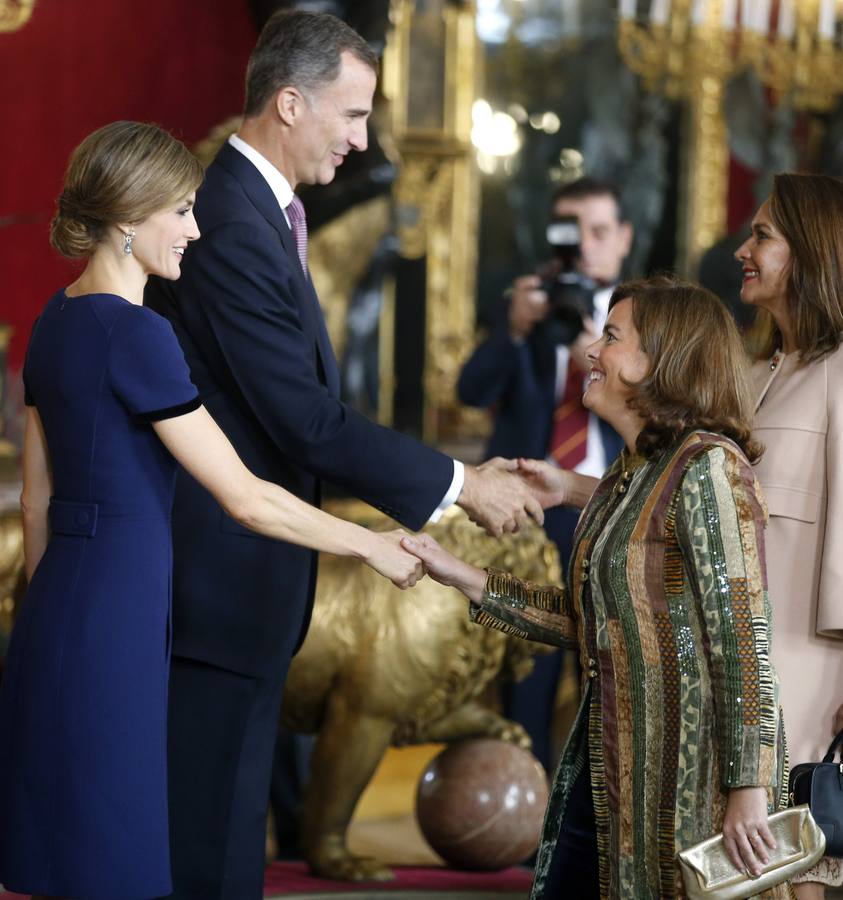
[(497, 498)]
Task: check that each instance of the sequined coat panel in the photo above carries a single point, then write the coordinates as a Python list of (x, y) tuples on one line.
[(666, 599)]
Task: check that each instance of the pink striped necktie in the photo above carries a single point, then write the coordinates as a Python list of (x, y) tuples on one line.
[(298, 224)]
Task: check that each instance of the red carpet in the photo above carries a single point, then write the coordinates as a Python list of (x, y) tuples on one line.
[(292, 878), (289, 878)]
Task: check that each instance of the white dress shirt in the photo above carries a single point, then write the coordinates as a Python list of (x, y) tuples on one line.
[(283, 192), (595, 455)]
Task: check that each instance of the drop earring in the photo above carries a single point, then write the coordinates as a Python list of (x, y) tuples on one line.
[(128, 237)]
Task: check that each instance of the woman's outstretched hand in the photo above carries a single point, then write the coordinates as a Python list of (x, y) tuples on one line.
[(553, 486), (388, 558), (746, 834), (446, 568)]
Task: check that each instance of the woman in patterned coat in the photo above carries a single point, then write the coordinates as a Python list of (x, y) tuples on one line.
[(679, 735)]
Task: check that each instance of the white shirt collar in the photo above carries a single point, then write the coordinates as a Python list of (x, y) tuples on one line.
[(601, 299), (277, 182)]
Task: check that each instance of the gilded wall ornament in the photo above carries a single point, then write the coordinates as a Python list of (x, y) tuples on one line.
[(14, 14)]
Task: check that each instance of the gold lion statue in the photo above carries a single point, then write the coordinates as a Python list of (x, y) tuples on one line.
[(383, 667)]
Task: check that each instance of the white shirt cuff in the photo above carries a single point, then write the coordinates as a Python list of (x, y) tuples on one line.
[(453, 494)]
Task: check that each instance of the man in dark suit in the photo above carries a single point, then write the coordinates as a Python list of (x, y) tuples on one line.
[(534, 385), (249, 321)]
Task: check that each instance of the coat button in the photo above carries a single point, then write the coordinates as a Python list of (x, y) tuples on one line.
[(82, 518)]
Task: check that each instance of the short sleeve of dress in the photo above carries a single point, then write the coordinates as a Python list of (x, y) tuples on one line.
[(148, 369)]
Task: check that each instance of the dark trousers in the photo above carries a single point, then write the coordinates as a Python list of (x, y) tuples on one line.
[(290, 772), (574, 867), (222, 729)]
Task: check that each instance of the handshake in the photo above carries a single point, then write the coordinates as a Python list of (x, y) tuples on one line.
[(500, 496)]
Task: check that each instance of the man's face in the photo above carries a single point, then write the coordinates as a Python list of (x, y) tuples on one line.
[(333, 122), (605, 241)]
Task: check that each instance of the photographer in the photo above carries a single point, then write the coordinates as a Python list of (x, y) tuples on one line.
[(531, 369)]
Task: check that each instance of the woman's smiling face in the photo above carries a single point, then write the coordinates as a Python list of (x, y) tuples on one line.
[(766, 260), (617, 362), (160, 240)]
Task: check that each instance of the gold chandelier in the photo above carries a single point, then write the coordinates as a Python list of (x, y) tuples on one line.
[(793, 45), (690, 48)]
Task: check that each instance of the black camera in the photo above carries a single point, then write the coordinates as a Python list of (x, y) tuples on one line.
[(570, 294)]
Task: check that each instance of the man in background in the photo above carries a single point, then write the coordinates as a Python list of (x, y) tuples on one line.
[(530, 371)]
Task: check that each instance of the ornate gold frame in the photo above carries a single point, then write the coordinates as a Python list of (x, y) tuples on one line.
[(693, 71), (14, 14), (437, 197), (704, 187)]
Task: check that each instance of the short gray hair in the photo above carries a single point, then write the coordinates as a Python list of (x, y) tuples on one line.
[(300, 49)]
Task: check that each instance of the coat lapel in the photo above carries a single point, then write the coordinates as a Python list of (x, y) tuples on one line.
[(765, 374), (261, 196)]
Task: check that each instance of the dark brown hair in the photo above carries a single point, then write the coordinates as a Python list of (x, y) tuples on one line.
[(586, 187), (698, 374), (121, 173), (808, 211), (300, 49)]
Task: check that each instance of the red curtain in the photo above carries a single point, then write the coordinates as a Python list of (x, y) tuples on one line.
[(76, 65)]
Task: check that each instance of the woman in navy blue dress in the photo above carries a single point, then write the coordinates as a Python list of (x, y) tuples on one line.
[(111, 410)]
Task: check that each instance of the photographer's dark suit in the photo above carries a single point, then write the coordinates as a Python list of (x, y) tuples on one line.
[(250, 325), (517, 380)]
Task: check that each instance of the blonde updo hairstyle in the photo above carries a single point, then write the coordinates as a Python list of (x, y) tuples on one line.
[(121, 173)]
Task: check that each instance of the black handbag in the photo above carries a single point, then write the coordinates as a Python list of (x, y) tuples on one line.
[(820, 785)]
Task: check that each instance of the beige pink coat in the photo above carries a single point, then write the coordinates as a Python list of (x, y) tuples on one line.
[(799, 419)]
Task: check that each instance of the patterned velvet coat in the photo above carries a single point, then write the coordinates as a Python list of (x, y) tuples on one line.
[(666, 599)]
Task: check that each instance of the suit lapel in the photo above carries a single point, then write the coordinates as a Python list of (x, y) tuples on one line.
[(256, 189), (261, 196), (313, 310)]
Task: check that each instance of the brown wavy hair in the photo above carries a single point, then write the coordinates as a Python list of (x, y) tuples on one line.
[(698, 376), (808, 211)]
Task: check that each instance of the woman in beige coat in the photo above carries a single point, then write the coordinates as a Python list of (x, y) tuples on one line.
[(793, 273)]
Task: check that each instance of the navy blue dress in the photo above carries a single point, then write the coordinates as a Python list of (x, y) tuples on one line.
[(83, 796)]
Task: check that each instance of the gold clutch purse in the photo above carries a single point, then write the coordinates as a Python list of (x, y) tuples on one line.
[(709, 874)]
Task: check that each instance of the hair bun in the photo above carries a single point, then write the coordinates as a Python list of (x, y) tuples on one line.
[(71, 233)]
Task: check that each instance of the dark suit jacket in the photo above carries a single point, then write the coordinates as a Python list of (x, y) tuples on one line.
[(255, 339), (518, 380)]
